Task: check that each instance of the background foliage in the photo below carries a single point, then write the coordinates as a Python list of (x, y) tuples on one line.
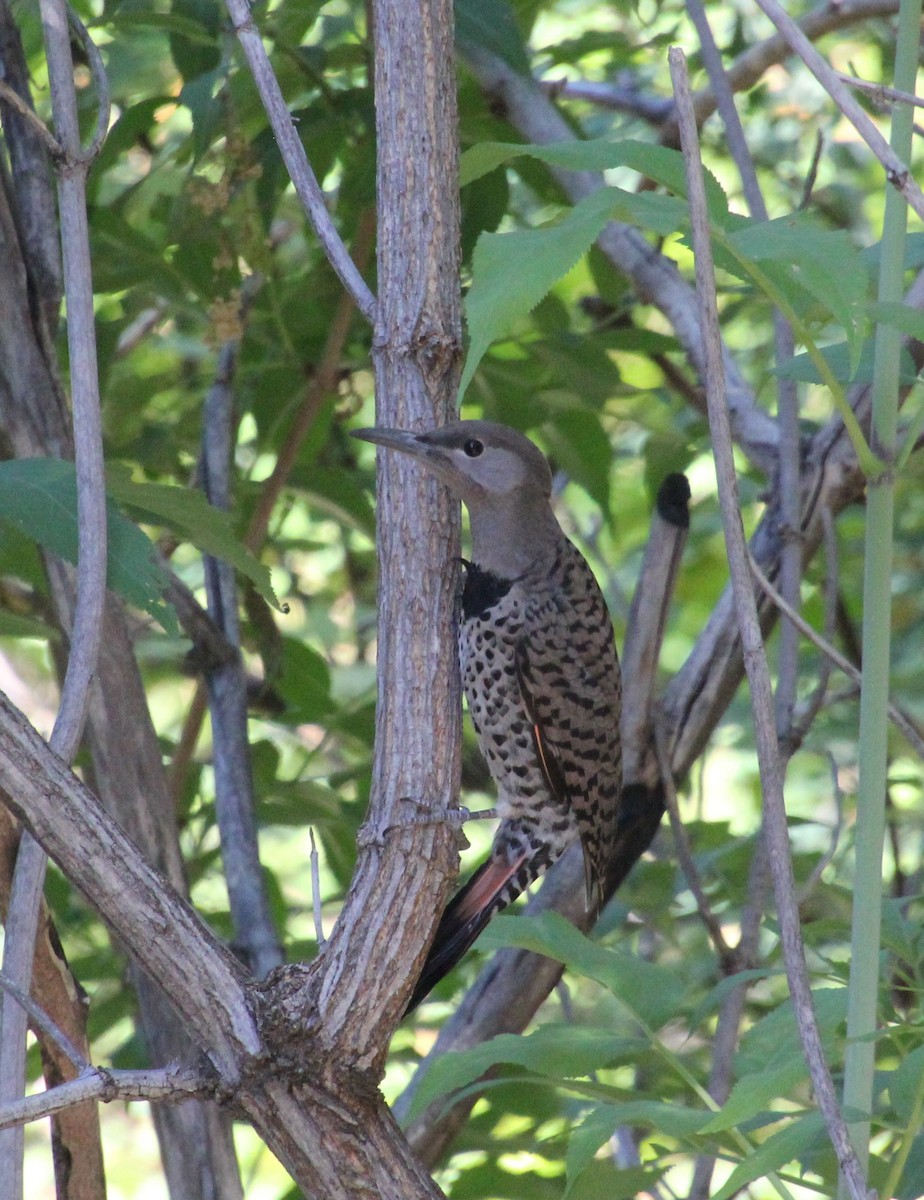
[(198, 240)]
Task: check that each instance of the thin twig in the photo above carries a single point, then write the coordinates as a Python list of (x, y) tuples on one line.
[(755, 660), (41, 1020), (754, 63), (316, 892), (166, 1084), (29, 874), (685, 852), (293, 154), (899, 718), (100, 82), (812, 174), (880, 92), (897, 172), (11, 97)]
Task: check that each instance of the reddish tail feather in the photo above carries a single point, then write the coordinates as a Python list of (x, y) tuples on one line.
[(466, 915)]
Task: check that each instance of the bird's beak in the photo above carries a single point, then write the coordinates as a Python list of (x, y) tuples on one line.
[(393, 439), (416, 445)]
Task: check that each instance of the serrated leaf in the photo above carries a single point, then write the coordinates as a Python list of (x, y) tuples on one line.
[(39, 497), (511, 272), (187, 513), (652, 993), (658, 163), (813, 260), (794, 1139), (774, 1039), (753, 1093), (554, 1051)]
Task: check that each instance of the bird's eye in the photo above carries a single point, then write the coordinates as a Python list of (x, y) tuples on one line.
[(473, 448)]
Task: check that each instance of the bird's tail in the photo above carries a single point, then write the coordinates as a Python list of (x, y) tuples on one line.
[(493, 886)]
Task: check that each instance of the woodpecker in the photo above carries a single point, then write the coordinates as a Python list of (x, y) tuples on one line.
[(539, 670)]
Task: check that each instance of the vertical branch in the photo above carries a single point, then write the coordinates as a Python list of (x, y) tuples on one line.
[(254, 933), (787, 485), (863, 988), (755, 660), (29, 875), (293, 153), (416, 352)]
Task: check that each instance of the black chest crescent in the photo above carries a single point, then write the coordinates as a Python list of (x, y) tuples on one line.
[(482, 590)]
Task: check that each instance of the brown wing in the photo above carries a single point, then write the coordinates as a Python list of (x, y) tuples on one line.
[(568, 673)]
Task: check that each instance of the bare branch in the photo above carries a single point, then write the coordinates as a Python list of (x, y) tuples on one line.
[(254, 932), (100, 82), (42, 1021), (755, 660), (611, 95), (25, 899), (750, 66), (34, 121), (293, 153), (166, 1084), (880, 93), (897, 172)]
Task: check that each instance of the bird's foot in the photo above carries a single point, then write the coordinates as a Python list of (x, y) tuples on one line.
[(369, 835), (452, 816)]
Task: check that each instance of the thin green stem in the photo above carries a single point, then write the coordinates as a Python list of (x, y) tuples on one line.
[(893, 1179), (914, 403), (863, 988)]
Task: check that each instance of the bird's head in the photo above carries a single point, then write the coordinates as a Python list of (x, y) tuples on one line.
[(483, 463)]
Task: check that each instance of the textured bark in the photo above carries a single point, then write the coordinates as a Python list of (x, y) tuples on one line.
[(300, 1054), (128, 771), (75, 1133)]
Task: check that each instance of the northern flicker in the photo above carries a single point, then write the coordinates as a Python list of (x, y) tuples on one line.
[(540, 673)]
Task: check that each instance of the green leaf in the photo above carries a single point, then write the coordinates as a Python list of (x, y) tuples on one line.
[(794, 1139), (753, 1093), (811, 259), (774, 1040), (905, 1084), (652, 993), (553, 1051), (490, 25), (304, 683), (600, 1125), (901, 316), (845, 365), (658, 163), (187, 513), (580, 445), (511, 272), (39, 497), (194, 46)]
